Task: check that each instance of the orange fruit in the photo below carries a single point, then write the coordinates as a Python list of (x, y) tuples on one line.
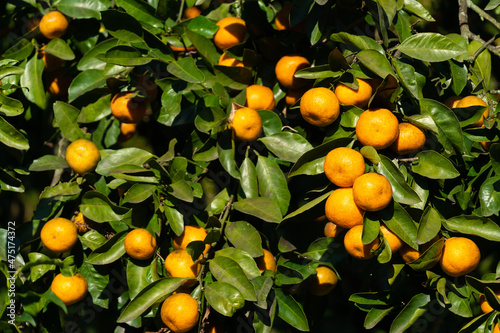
[(127, 131), (180, 264), (59, 85), (394, 241), (282, 19), (323, 282), (286, 68), (127, 109), (341, 209), (260, 97), (487, 145), (359, 97), (332, 230), (140, 244), (409, 254), (343, 165), (383, 97), (246, 124), (180, 312), (191, 12), (372, 191), (266, 262), (410, 139), (59, 235), (231, 32), (496, 329), (293, 95), (474, 101), (452, 101), (81, 223), (485, 306), (225, 60), (51, 62), (460, 256), (378, 128), (82, 156), (190, 234), (53, 25), (319, 106), (354, 245), (70, 289)]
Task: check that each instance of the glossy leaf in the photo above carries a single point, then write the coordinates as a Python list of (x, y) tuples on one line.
[(141, 11), (110, 251), (473, 225), (244, 236), (287, 145), (227, 270), (431, 47), (243, 258), (397, 219), (413, 310), (85, 82), (82, 9), (58, 47), (11, 137), (263, 208), (401, 191), (31, 79), (291, 311), (139, 192), (433, 165), (429, 225), (112, 159), (375, 62), (99, 208), (66, 116), (360, 42), (489, 196), (248, 182), (272, 183), (224, 298)]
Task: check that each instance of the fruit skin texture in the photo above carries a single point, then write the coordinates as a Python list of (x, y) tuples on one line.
[(59, 235), (190, 234), (140, 244), (70, 289), (474, 101), (180, 312), (409, 254), (410, 139), (127, 109), (232, 31), (82, 156), (452, 101), (286, 68), (354, 245), (293, 95), (225, 60), (260, 97), (378, 128), (127, 131), (343, 165), (460, 256), (496, 329), (372, 191), (359, 97), (319, 106), (341, 209), (191, 12), (180, 264), (246, 124), (53, 25), (332, 230), (394, 241), (266, 262), (485, 306), (323, 282)]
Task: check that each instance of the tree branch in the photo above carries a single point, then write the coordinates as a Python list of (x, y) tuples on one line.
[(483, 14), (463, 19)]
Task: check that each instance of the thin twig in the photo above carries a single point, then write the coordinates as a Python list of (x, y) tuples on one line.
[(410, 159), (483, 14), (482, 48)]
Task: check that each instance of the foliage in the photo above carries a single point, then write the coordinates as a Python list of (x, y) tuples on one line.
[(183, 167)]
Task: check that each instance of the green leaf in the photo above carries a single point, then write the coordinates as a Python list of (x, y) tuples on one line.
[(20, 50), (204, 46), (311, 162), (66, 116), (416, 8), (397, 219), (291, 311), (10, 107), (152, 294), (61, 189), (375, 315), (390, 9), (272, 183), (9, 182), (137, 277), (11, 137), (473, 225), (31, 79), (429, 225), (89, 59), (93, 239), (248, 181), (97, 283), (429, 258), (430, 46), (459, 76), (433, 165), (244, 236), (95, 111), (413, 310), (373, 298), (243, 258), (226, 152), (124, 55), (186, 69), (59, 48), (371, 228), (38, 270), (446, 121), (401, 191), (99, 208), (141, 11), (82, 9), (489, 196), (113, 158), (122, 26), (224, 298), (110, 251), (139, 192), (181, 190), (175, 220), (263, 208), (360, 42), (271, 122), (85, 82), (322, 249), (375, 62), (227, 270), (482, 65), (287, 145), (263, 285)]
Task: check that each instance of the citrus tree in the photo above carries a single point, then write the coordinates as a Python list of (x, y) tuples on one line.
[(249, 166)]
